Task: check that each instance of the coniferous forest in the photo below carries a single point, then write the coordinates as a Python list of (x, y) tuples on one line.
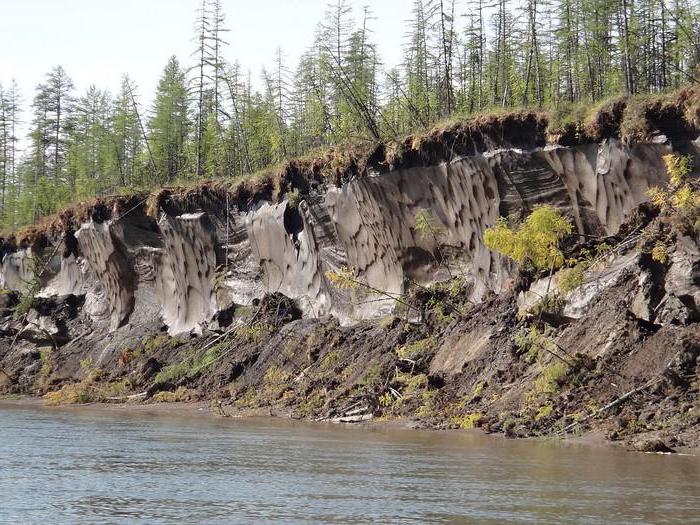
[(207, 119)]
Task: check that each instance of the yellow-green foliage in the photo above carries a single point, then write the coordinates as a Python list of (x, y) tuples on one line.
[(47, 362), (330, 360), (386, 399), (544, 411), (416, 383), (427, 408), (478, 390), (152, 344), (190, 366), (417, 349), (679, 195), (535, 241), (685, 199), (180, 395), (550, 303), (468, 421), (427, 226), (343, 278), (678, 168), (533, 343), (89, 390), (659, 253), (571, 279), (550, 379), (276, 375), (256, 332)]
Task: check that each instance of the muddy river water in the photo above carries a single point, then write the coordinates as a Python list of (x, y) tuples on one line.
[(98, 466)]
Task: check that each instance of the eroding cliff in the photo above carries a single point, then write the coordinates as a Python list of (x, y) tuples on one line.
[(200, 254), (185, 275), (235, 297)]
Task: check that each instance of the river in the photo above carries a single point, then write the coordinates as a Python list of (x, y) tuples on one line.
[(101, 466)]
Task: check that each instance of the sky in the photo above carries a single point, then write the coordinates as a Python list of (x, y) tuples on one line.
[(97, 41)]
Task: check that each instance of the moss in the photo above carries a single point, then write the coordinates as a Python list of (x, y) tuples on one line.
[(180, 395), (571, 279), (467, 421), (543, 412), (550, 380), (416, 350)]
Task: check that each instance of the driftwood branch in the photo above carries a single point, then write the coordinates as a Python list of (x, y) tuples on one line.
[(612, 404)]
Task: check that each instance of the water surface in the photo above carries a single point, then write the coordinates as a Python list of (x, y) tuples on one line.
[(96, 466)]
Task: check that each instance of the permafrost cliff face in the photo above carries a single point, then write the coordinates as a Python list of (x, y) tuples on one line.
[(184, 267)]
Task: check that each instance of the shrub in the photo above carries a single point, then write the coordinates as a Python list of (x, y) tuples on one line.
[(386, 399), (571, 279), (180, 395), (551, 303), (191, 366), (543, 412), (659, 253), (417, 349), (416, 383), (535, 241), (478, 390), (468, 421), (551, 378), (532, 342), (678, 168), (89, 390)]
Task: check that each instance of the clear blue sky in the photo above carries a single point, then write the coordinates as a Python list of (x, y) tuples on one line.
[(97, 41)]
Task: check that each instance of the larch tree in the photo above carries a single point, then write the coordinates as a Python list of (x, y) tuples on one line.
[(169, 123)]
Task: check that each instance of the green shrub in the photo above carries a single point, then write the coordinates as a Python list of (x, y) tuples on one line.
[(571, 279), (659, 253), (535, 241), (551, 378), (468, 421), (190, 366), (417, 349)]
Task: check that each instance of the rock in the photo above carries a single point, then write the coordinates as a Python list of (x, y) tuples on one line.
[(8, 299), (655, 446), (150, 368)]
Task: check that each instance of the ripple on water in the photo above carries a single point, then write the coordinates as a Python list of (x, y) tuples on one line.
[(90, 467)]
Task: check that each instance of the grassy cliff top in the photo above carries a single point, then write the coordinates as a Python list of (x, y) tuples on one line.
[(641, 118)]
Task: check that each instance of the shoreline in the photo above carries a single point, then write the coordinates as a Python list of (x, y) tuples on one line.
[(203, 410)]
